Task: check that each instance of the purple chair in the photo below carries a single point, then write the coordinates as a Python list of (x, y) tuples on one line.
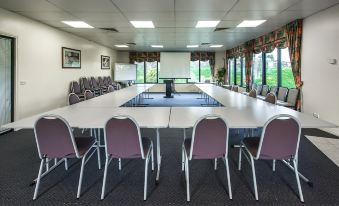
[(95, 87), (89, 95), (75, 88), (209, 141), (102, 85), (123, 141), (55, 140), (85, 84), (271, 98), (253, 93), (279, 141), (235, 88), (73, 99), (110, 89)]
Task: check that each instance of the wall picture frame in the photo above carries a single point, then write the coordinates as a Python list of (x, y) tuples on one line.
[(105, 62), (71, 58)]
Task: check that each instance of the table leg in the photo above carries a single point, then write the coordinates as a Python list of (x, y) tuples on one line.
[(158, 156)]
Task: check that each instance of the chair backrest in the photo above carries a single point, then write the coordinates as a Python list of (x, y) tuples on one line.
[(265, 90), (106, 81), (254, 86), (85, 85), (94, 83), (207, 81), (88, 95), (75, 87), (122, 138), (274, 90), (282, 93), (209, 138), (253, 93), (109, 80), (292, 96), (110, 88), (54, 137), (101, 81), (259, 88), (73, 99), (271, 98), (235, 88), (280, 138)]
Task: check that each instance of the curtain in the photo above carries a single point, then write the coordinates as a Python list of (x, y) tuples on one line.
[(144, 56), (294, 35), (205, 56), (248, 65)]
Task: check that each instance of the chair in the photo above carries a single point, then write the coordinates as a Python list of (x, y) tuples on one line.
[(253, 93), (209, 141), (89, 95), (102, 85), (259, 88), (282, 93), (85, 84), (292, 97), (265, 90), (123, 140), (279, 141), (73, 99), (55, 140), (110, 89), (95, 86), (75, 88), (254, 86), (274, 90), (235, 88), (271, 98)]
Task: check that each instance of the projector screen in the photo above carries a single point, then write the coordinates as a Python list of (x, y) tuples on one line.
[(175, 65), (125, 72)]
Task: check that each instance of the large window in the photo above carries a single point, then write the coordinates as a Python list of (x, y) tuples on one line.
[(238, 71), (140, 72), (272, 68), (243, 72), (231, 71), (287, 79), (151, 72), (257, 68), (194, 71), (205, 71)]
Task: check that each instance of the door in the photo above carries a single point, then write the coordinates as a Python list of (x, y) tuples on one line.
[(6, 80)]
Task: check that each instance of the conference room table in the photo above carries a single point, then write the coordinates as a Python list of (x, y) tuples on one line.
[(240, 111)]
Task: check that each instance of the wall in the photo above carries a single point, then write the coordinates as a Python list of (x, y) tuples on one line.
[(41, 84), (122, 57), (321, 42)]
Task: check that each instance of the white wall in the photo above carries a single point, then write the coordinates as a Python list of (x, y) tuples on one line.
[(321, 80), (41, 84)]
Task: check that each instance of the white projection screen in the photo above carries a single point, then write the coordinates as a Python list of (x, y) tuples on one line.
[(125, 72), (175, 65)]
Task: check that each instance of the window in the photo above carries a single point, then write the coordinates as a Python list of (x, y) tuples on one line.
[(287, 79), (205, 71), (140, 72), (159, 80), (272, 68), (238, 71), (243, 69), (151, 72), (257, 69), (231, 71), (194, 71)]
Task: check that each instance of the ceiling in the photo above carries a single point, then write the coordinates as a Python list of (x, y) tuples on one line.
[(174, 19)]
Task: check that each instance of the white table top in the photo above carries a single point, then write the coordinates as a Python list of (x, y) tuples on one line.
[(94, 117)]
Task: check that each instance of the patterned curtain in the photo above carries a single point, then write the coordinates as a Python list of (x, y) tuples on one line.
[(205, 56), (144, 56), (294, 35)]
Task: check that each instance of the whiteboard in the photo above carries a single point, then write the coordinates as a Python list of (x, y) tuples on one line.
[(125, 72), (175, 65)]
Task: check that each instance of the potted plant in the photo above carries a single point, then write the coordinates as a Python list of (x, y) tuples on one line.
[(221, 75)]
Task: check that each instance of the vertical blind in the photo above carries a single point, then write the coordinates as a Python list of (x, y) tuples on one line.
[(5, 81)]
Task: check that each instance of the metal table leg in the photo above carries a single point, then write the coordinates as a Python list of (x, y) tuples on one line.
[(158, 156)]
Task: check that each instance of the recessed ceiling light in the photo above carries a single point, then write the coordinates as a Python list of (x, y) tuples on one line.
[(78, 24), (251, 23), (157, 46), (121, 46), (142, 24), (216, 45), (192, 46), (206, 24)]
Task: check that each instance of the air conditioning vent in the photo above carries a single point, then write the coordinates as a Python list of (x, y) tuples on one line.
[(110, 29), (131, 43), (221, 29), (205, 44)]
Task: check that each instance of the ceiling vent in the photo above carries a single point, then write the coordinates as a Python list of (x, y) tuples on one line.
[(131, 43), (205, 44), (221, 29), (110, 29)]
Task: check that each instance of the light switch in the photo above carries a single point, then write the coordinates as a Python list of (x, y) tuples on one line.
[(22, 83), (332, 61)]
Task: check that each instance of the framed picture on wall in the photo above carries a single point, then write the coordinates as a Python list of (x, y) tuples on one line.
[(71, 58), (105, 62)]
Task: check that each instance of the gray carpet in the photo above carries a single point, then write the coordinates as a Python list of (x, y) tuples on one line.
[(20, 163)]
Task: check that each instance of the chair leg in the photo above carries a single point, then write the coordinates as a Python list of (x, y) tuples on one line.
[(152, 157), (104, 180), (228, 178), (254, 179), (187, 179), (146, 175), (38, 179), (295, 164), (66, 163), (119, 163), (215, 163), (98, 152), (273, 166), (81, 175), (182, 158), (240, 153)]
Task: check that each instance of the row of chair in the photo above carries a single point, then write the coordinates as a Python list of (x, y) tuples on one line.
[(74, 98), (97, 87), (278, 141), (270, 97)]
